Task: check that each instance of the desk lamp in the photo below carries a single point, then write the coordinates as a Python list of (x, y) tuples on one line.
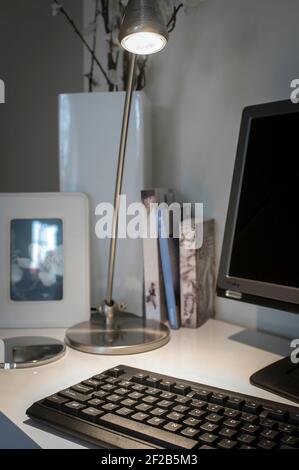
[(111, 330)]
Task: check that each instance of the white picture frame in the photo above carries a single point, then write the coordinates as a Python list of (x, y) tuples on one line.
[(68, 214)]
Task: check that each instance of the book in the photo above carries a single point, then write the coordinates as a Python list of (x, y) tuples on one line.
[(197, 272), (154, 293), (169, 252)]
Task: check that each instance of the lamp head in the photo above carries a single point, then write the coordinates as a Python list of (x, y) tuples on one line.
[(143, 30)]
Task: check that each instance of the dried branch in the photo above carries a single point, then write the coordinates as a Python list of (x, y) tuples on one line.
[(91, 80), (172, 22), (77, 31)]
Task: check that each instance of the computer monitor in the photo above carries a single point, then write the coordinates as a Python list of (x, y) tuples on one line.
[(260, 254)]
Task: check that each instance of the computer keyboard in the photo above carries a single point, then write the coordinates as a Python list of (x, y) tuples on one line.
[(131, 408)]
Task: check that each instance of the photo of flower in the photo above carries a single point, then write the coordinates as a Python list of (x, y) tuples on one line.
[(37, 266)]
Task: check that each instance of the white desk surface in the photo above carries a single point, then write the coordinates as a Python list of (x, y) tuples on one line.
[(207, 355)]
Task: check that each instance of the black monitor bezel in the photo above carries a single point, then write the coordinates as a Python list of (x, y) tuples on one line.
[(255, 292)]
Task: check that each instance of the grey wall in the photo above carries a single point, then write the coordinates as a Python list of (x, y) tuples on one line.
[(40, 57), (226, 55)]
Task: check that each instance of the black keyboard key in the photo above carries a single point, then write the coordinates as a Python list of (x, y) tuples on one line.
[(246, 447), (129, 403), (110, 407), (249, 418), (136, 395), (234, 414), (277, 414), (55, 401), (139, 388), (95, 402), (72, 395), (227, 444), (143, 407), (208, 439), (215, 408), (252, 407), (147, 433), (152, 381), (108, 388), (140, 378), (181, 389), (153, 391), (181, 409), (91, 414), (294, 418), (122, 391), (266, 444), (268, 423), (235, 403), (199, 404), (125, 384), (206, 447), (190, 432), (286, 428), (73, 408), (166, 385), (214, 418), (198, 414), (270, 434), (192, 422), (112, 381), (155, 421), (159, 412), (140, 417), (94, 384), (176, 417), (218, 398), (200, 394), (115, 372), (181, 400), (232, 423), (172, 427), (250, 428), (114, 398), (167, 395), (165, 404), (290, 441), (100, 394), (124, 411), (209, 427), (227, 433), (150, 400), (100, 377), (247, 439), (284, 446)]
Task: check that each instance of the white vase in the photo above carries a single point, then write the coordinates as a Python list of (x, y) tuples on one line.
[(89, 133)]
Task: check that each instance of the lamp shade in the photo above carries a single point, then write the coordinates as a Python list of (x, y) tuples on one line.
[(143, 30)]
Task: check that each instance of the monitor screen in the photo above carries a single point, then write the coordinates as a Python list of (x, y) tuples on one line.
[(266, 241), (260, 255)]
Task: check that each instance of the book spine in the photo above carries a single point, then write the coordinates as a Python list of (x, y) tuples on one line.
[(168, 275), (155, 305), (197, 266)]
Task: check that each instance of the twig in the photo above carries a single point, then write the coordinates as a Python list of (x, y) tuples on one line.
[(72, 23), (172, 22), (94, 45)]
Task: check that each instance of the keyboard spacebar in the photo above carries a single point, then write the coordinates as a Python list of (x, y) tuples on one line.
[(146, 433)]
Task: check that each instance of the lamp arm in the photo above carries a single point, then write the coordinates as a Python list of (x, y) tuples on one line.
[(119, 177)]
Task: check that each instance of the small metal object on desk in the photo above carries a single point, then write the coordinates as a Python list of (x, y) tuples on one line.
[(29, 351)]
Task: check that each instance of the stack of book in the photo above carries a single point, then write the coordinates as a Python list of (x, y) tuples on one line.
[(179, 277)]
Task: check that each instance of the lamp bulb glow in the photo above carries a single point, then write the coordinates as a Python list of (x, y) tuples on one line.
[(144, 43)]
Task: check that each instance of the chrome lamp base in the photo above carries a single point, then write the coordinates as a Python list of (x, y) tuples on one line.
[(128, 334)]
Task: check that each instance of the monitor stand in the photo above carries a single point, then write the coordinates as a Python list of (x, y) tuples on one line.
[(281, 378)]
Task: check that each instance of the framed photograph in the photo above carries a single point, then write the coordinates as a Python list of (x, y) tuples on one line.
[(44, 260)]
